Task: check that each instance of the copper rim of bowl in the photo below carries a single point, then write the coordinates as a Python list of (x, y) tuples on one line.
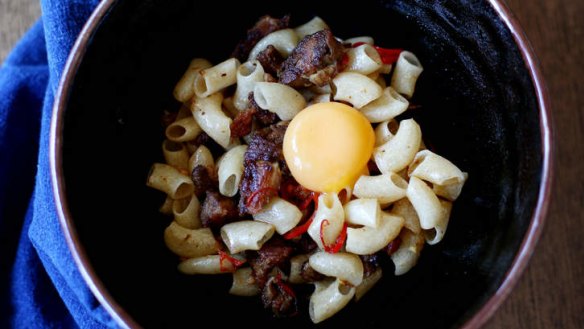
[(124, 319)]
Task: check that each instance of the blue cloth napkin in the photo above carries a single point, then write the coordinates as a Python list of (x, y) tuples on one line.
[(40, 286)]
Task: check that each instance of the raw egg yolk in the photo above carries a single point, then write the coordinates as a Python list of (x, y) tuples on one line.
[(327, 146)]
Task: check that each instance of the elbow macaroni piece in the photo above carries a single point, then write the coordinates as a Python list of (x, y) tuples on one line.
[(363, 39), (230, 170), (410, 248), (368, 240), (385, 131), (435, 169), (296, 264), (436, 234), (452, 191), (404, 208), (186, 212), (247, 75), (216, 78), (284, 41), (426, 203), (283, 100), (368, 283), (314, 25), (210, 117), (363, 59), (397, 153), (190, 243), (356, 89), (328, 298), (363, 211), (205, 265), (244, 283), (330, 209), (386, 188), (246, 235), (282, 214), (201, 157), (185, 88), (175, 154), (343, 266), (386, 107), (170, 181), (405, 75), (183, 130)]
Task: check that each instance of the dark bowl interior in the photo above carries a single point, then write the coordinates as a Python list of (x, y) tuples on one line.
[(478, 108)]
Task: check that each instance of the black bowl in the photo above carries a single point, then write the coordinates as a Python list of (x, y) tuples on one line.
[(482, 106)]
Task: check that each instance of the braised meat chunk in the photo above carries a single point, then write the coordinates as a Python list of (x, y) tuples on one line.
[(272, 254), (218, 210), (271, 60), (243, 122), (262, 173), (313, 61), (279, 297), (263, 27), (204, 180)]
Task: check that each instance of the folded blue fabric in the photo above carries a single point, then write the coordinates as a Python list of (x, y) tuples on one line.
[(40, 285)]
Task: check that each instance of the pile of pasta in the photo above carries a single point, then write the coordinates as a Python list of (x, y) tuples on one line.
[(395, 212)]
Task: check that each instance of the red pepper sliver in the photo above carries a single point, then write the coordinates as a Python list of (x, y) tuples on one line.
[(283, 286), (335, 247), (299, 230), (255, 194), (388, 56), (223, 256), (312, 198)]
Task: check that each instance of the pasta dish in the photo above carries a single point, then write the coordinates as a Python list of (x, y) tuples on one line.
[(290, 165)]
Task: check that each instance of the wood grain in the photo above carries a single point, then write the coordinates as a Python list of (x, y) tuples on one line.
[(550, 294)]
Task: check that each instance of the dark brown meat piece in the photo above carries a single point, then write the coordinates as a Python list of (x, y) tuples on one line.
[(271, 60), (204, 180), (262, 174), (313, 61), (266, 144), (370, 264), (272, 254), (263, 27), (218, 210), (279, 297), (305, 244), (243, 122), (264, 117), (204, 139)]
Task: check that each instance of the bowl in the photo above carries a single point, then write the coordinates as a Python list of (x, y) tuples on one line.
[(483, 105)]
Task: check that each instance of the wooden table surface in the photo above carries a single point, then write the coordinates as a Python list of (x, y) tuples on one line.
[(550, 294)]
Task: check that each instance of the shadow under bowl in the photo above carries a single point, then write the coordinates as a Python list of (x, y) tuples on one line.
[(481, 105)]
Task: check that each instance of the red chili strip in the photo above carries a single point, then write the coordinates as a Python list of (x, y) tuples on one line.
[(388, 56), (338, 244), (283, 286), (264, 190), (312, 198), (299, 230), (223, 256)]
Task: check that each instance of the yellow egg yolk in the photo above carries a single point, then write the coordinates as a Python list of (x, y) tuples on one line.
[(327, 146)]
